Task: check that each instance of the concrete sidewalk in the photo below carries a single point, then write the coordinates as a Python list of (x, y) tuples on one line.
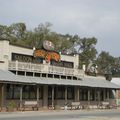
[(63, 115)]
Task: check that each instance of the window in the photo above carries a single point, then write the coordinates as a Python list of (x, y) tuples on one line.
[(12, 91), (83, 94), (70, 92), (92, 95), (29, 92), (60, 92), (40, 92)]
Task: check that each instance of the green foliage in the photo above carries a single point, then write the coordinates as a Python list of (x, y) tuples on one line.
[(11, 105), (87, 50), (17, 33), (104, 60)]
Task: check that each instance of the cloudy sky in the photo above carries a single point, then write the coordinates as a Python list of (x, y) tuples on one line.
[(87, 18)]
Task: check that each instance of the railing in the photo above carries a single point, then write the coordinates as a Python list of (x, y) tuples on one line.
[(44, 68)]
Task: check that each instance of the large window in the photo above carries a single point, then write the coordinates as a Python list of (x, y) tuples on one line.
[(60, 92), (13, 91), (92, 95), (29, 92), (83, 94), (70, 92)]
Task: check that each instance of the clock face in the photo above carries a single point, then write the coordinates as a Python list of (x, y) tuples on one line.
[(48, 45)]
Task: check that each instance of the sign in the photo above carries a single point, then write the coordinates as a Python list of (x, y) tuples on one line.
[(26, 58), (47, 55), (62, 64), (48, 45)]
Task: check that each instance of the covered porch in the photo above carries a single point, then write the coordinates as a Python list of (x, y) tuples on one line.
[(55, 93)]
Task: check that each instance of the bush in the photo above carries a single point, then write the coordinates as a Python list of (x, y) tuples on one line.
[(11, 105)]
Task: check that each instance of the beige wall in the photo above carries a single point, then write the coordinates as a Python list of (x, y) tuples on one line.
[(4, 54), (7, 49), (20, 50), (0, 94)]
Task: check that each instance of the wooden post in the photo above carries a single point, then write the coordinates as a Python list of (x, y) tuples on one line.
[(88, 98), (66, 94), (104, 95), (2, 96), (108, 95), (78, 94), (98, 96), (95, 95), (52, 97), (45, 96), (38, 95), (21, 95)]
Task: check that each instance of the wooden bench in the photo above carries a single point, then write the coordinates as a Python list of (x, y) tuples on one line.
[(75, 105), (106, 105), (30, 104)]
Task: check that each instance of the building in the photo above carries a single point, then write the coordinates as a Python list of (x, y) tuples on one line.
[(50, 82), (116, 80)]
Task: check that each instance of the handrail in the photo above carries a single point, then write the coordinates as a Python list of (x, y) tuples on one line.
[(44, 68)]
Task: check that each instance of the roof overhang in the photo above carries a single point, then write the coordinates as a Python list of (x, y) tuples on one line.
[(7, 76)]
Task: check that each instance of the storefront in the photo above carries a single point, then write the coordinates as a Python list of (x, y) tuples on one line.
[(51, 79)]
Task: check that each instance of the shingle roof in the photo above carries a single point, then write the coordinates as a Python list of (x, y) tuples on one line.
[(7, 76)]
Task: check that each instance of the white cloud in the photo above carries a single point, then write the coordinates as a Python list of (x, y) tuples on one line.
[(99, 18)]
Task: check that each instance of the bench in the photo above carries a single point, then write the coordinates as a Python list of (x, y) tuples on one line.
[(30, 104), (75, 105), (105, 105)]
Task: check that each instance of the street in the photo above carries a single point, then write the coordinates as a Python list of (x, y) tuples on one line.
[(63, 115)]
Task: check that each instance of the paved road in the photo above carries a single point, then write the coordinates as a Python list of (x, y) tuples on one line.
[(63, 115)]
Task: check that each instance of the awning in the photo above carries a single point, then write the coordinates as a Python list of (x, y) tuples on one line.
[(7, 76)]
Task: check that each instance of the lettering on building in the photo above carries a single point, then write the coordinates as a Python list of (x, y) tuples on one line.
[(26, 58)]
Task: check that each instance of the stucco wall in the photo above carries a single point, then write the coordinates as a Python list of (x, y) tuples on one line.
[(7, 49)]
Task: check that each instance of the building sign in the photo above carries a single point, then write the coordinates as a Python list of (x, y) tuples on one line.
[(26, 58), (47, 55), (62, 64), (48, 45)]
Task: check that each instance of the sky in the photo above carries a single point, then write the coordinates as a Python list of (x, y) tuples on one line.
[(86, 18)]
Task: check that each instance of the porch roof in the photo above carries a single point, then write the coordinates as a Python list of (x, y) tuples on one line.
[(7, 76)]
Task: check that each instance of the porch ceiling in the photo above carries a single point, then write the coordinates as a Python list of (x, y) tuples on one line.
[(7, 76)]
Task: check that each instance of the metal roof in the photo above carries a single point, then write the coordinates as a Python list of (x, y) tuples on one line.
[(7, 76)]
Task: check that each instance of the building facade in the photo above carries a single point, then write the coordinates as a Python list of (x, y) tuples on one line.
[(49, 78)]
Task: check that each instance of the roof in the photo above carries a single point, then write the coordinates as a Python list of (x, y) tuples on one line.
[(7, 76), (116, 81)]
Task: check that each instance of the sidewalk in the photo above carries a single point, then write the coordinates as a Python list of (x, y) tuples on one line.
[(83, 114)]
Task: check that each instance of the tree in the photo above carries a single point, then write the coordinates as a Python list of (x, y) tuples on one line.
[(87, 50), (4, 32), (104, 61)]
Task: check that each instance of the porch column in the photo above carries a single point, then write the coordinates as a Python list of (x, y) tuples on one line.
[(95, 94), (38, 95), (65, 94), (76, 93), (45, 96), (2, 96), (98, 92), (108, 95), (88, 98), (52, 97), (21, 96), (104, 95)]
